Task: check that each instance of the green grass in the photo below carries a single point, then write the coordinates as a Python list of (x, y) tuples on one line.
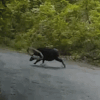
[(7, 48)]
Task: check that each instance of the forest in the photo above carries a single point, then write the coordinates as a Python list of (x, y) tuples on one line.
[(71, 26)]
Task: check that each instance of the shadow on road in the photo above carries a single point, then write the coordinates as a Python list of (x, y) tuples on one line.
[(47, 67)]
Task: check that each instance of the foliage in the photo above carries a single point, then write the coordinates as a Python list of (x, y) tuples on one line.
[(72, 26)]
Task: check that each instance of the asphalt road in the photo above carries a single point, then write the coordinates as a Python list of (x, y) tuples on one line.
[(21, 80)]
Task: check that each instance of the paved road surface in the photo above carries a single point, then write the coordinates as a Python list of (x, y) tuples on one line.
[(21, 80)]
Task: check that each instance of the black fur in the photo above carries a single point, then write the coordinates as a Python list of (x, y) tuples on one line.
[(48, 54)]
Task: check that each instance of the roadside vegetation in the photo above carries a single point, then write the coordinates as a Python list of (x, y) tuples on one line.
[(72, 26)]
